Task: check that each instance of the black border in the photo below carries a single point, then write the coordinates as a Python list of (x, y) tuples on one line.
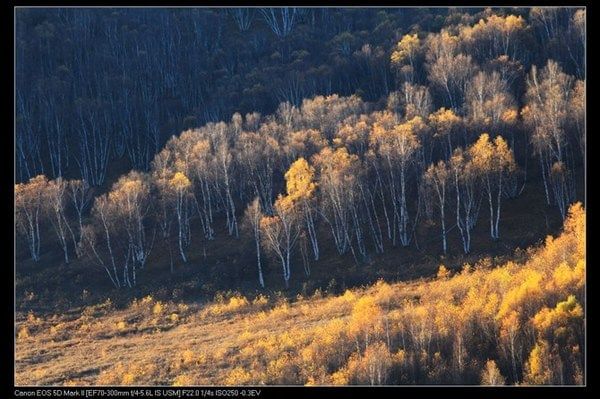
[(7, 303)]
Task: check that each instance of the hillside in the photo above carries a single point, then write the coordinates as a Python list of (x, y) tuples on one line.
[(519, 322), (306, 196), (228, 264)]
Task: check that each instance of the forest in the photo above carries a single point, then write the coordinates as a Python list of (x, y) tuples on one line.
[(399, 172)]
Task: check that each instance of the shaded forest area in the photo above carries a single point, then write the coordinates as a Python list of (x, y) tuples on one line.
[(330, 147), (95, 86)]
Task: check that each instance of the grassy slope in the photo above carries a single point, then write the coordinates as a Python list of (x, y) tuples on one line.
[(272, 340), (83, 345)]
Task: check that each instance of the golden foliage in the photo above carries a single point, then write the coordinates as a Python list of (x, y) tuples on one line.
[(125, 374), (443, 272), (539, 367), (23, 333), (430, 331), (180, 182), (405, 48), (443, 121), (299, 180), (235, 303), (491, 375)]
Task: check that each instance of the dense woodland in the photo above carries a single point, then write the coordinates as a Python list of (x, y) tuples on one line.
[(314, 134)]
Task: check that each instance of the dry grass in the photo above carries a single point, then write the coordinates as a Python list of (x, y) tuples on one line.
[(365, 335), (152, 342)]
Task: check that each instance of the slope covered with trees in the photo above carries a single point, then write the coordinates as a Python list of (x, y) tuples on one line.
[(240, 153), (519, 323), (155, 72)]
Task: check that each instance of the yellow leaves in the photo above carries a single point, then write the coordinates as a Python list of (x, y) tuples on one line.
[(300, 180), (280, 311), (504, 154), (491, 375), (441, 45), (365, 309), (281, 369), (267, 223), (437, 174), (405, 48), (284, 207), (556, 321), (304, 142), (260, 300), (444, 116), (365, 318), (28, 196), (566, 278), (575, 225), (510, 303), (335, 163), (494, 24), (490, 307), (513, 22), (123, 204), (132, 186), (349, 296), (509, 325), (23, 333), (384, 292), (492, 156), (353, 131), (128, 379), (340, 377), (443, 121), (200, 148), (158, 308), (180, 182), (373, 367), (538, 367), (525, 293), (397, 141), (338, 171), (233, 304), (509, 116), (482, 152), (148, 299), (443, 273)]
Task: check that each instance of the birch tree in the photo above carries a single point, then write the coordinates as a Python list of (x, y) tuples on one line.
[(29, 212), (252, 218), (396, 144), (80, 199), (493, 161), (55, 198), (437, 177), (301, 187), (338, 185), (467, 202), (180, 187), (280, 233), (548, 95)]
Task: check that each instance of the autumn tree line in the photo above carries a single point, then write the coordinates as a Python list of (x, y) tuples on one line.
[(519, 323), (452, 145)]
